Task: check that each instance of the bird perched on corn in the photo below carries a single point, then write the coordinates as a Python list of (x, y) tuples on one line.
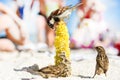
[(60, 14), (102, 61), (56, 21)]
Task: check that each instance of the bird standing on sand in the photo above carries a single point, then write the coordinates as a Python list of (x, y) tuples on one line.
[(60, 70), (102, 61)]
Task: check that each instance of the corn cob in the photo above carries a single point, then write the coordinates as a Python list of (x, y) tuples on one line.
[(61, 41)]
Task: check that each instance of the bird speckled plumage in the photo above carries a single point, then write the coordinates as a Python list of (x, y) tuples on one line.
[(102, 61), (63, 69), (60, 14), (60, 70)]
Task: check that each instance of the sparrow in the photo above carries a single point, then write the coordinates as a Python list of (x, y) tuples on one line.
[(60, 70), (60, 14), (102, 62)]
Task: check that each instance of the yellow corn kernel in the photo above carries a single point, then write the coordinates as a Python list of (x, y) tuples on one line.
[(61, 41)]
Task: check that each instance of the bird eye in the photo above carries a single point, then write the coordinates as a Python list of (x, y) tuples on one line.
[(96, 47), (56, 19)]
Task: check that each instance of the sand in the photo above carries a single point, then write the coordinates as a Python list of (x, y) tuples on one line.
[(83, 65)]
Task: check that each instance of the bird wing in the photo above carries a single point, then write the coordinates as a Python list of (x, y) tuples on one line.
[(61, 11), (74, 7), (106, 63), (52, 69), (66, 11), (102, 61), (45, 69)]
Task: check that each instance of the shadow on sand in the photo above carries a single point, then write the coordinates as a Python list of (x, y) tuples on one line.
[(31, 69), (82, 76)]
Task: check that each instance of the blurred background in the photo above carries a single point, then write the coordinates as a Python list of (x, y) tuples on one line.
[(112, 12), (23, 24)]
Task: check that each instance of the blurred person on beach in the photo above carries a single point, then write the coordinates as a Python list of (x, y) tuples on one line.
[(117, 42), (117, 46), (33, 14), (11, 31), (91, 25)]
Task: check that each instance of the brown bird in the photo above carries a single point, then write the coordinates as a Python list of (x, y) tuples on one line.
[(102, 61), (63, 69), (60, 14), (60, 70)]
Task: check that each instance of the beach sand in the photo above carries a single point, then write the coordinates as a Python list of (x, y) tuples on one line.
[(83, 65)]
